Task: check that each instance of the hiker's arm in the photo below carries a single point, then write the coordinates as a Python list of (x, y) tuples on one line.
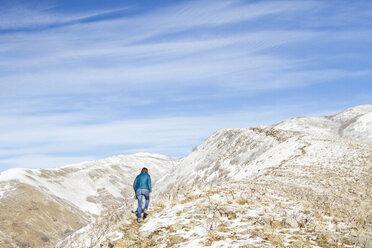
[(135, 185), (149, 183)]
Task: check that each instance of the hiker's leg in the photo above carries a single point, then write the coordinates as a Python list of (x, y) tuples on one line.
[(147, 197), (139, 198)]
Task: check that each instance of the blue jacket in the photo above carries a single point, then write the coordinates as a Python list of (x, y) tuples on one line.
[(142, 181)]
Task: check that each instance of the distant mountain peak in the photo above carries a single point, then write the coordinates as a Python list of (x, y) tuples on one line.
[(353, 123)]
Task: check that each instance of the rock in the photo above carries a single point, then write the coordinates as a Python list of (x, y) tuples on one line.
[(276, 223), (176, 240), (217, 215), (333, 237), (231, 215), (267, 220), (144, 244), (130, 243), (186, 209), (44, 238), (145, 234), (291, 222), (154, 237), (132, 236), (23, 244), (177, 227)]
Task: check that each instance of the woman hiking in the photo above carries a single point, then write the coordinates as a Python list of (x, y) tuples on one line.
[(142, 187)]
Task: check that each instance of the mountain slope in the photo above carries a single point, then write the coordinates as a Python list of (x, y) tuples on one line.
[(320, 196), (229, 151), (53, 203), (222, 155)]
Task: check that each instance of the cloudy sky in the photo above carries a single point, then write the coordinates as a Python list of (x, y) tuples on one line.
[(88, 79)]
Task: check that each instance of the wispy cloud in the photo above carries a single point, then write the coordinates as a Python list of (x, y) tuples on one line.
[(63, 135), (23, 17), (99, 82)]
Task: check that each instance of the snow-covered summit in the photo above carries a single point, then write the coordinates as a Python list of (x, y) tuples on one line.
[(353, 123), (352, 113)]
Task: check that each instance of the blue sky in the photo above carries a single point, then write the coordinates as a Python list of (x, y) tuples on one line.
[(82, 80)]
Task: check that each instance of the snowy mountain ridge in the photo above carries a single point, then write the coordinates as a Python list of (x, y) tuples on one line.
[(353, 123), (95, 178), (225, 154)]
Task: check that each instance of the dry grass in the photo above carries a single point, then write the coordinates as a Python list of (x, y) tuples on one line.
[(32, 217)]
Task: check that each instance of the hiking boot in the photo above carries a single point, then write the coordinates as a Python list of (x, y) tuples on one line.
[(145, 213), (139, 220)]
